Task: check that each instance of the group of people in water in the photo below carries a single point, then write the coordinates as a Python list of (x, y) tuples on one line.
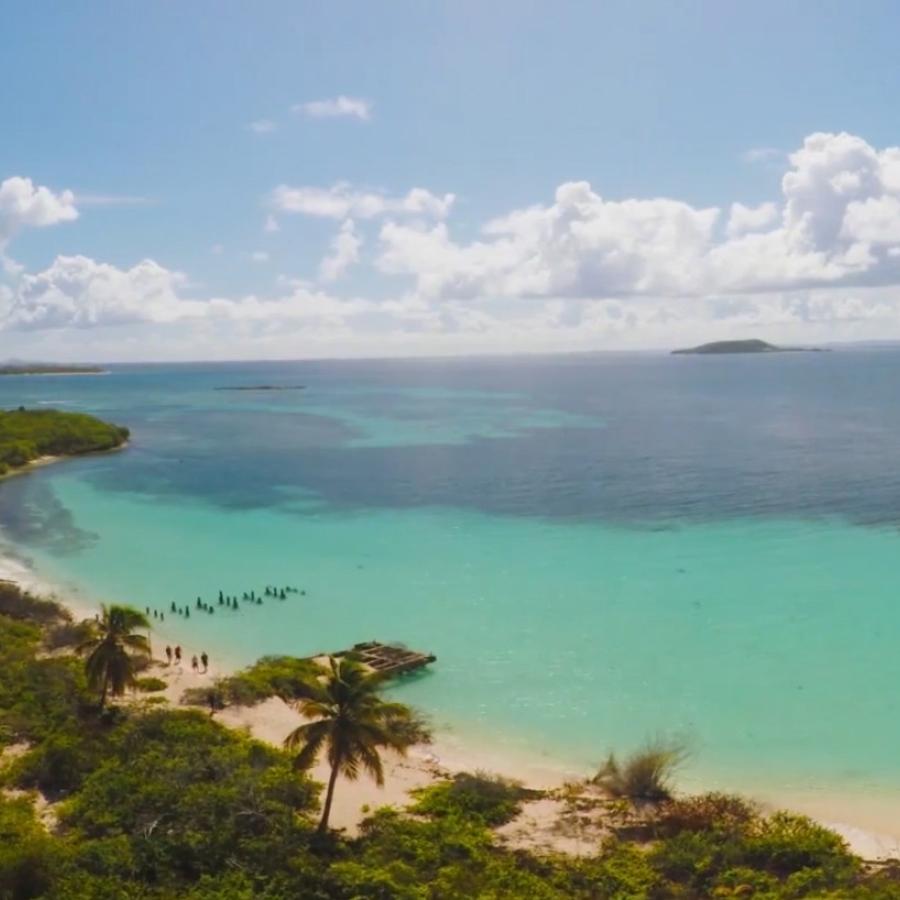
[(174, 655), (226, 601)]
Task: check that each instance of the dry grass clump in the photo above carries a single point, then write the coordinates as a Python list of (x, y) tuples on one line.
[(644, 777)]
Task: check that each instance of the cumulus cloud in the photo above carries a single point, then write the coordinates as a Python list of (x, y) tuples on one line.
[(744, 219), (77, 292), (262, 126), (259, 256), (341, 201), (26, 205), (343, 254), (581, 245), (819, 261), (836, 224), (271, 225), (336, 108)]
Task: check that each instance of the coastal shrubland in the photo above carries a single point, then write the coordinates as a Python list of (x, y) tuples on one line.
[(28, 434), (492, 799), (157, 803), (270, 676)]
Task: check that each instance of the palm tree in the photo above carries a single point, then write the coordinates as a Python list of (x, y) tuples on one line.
[(352, 723), (112, 650)]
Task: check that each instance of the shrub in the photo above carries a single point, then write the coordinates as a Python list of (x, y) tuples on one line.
[(271, 676), (150, 684), (57, 765), (29, 857), (26, 607), (645, 776), (17, 453), (706, 812), (786, 843), (490, 798), (214, 697), (67, 634)]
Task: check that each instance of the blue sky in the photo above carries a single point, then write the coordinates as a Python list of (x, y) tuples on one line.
[(174, 125)]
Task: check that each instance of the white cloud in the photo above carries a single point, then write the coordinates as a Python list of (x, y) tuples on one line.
[(344, 253), (581, 245), (819, 262), (26, 205), (763, 155), (336, 107), (262, 126), (341, 201), (744, 219), (271, 225), (836, 224), (82, 199), (77, 292), (259, 256)]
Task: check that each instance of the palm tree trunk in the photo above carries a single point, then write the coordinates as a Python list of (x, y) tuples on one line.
[(103, 693), (329, 796)]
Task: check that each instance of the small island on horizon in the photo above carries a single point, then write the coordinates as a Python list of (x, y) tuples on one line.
[(18, 368), (753, 345)]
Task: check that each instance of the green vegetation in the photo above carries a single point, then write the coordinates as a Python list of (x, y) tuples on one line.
[(113, 649), (49, 369), (27, 434), (271, 676), (351, 722), (154, 803), (150, 684), (645, 777), (489, 798)]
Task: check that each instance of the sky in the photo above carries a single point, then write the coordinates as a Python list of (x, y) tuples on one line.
[(236, 180)]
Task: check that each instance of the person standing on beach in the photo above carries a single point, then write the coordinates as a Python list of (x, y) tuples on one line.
[(194, 664), (178, 654), (168, 655), (205, 660)]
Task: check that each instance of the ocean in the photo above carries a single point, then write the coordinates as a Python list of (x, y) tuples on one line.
[(599, 549)]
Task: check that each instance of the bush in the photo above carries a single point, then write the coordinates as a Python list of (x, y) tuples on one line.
[(17, 453), (67, 634), (29, 857), (201, 792), (490, 798), (271, 676), (645, 776), (706, 812), (57, 765), (786, 843), (150, 684), (26, 607)]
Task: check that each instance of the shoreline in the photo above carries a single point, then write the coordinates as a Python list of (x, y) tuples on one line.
[(869, 826), (50, 459)]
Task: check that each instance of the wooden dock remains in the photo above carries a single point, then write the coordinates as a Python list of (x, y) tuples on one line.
[(388, 659)]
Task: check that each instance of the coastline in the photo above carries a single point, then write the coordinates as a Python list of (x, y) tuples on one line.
[(49, 459), (869, 826)]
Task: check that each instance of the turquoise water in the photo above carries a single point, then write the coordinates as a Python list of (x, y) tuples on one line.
[(745, 599)]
